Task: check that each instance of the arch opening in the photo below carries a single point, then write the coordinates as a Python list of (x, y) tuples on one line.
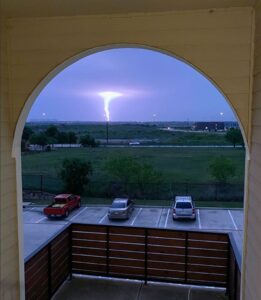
[(53, 73), (29, 103)]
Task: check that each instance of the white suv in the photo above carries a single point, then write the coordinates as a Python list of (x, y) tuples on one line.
[(183, 208)]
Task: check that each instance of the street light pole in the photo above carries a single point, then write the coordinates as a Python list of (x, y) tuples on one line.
[(107, 132), (222, 120)]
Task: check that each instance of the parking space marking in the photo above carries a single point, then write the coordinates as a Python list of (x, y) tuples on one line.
[(159, 218), (136, 216), (233, 221), (189, 293), (166, 221), (27, 209), (78, 213), (103, 218), (199, 222), (40, 220)]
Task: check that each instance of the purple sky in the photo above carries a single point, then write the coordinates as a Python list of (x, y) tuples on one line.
[(153, 87)]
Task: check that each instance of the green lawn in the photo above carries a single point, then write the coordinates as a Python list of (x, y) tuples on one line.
[(176, 164)]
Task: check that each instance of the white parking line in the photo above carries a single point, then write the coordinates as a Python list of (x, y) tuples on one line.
[(26, 209), (103, 218), (136, 216), (43, 218), (189, 293), (166, 221), (199, 222), (234, 223), (78, 213), (159, 218)]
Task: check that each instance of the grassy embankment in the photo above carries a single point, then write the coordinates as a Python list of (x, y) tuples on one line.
[(177, 165)]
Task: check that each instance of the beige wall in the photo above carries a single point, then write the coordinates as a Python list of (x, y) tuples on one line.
[(252, 277), (219, 43), (221, 49), (9, 274)]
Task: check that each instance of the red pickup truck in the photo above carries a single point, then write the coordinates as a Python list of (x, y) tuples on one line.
[(62, 205)]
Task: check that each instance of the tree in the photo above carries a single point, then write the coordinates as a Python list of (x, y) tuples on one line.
[(62, 137), (52, 135), (27, 133), (128, 170), (222, 169), (87, 141), (234, 136), (122, 168), (147, 175), (52, 131), (39, 139), (75, 174), (72, 138)]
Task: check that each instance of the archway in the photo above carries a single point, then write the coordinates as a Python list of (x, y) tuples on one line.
[(28, 105), (49, 77)]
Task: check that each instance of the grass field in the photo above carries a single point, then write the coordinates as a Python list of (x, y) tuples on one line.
[(176, 164)]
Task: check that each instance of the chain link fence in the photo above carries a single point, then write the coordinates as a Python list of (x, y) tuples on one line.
[(150, 190)]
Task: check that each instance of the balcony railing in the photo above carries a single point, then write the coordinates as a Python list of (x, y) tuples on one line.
[(187, 257)]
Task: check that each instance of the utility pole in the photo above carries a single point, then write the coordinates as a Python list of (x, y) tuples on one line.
[(107, 132)]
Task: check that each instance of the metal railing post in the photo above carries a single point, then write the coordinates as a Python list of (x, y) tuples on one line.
[(228, 291), (70, 252), (49, 270), (186, 256), (235, 282), (146, 257), (107, 250)]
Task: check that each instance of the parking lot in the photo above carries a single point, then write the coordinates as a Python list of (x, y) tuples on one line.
[(207, 219), (38, 228)]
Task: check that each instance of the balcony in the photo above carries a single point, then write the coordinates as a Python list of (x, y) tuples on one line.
[(145, 262)]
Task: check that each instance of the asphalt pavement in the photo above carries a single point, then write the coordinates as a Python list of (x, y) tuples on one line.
[(38, 228)]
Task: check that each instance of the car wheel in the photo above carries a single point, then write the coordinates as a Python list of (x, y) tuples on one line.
[(79, 204), (66, 214)]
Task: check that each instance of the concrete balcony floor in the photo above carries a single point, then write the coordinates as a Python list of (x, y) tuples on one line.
[(100, 288)]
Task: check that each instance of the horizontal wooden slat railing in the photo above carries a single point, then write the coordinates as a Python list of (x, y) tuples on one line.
[(187, 257), (47, 269), (234, 279), (151, 254)]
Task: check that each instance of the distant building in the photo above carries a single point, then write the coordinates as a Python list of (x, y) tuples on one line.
[(209, 126), (231, 124)]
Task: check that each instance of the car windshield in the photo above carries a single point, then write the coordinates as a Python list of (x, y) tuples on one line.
[(60, 200), (183, 205), (118, 205)]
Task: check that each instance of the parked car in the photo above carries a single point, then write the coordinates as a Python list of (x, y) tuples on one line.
[(183, 208), (62, 205), (121, 208), (134, 143)]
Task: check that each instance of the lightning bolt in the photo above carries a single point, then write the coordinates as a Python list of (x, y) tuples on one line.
[(107, 98), (106, 108)]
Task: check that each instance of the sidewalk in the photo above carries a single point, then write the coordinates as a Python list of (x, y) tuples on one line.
[(99, 288)]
